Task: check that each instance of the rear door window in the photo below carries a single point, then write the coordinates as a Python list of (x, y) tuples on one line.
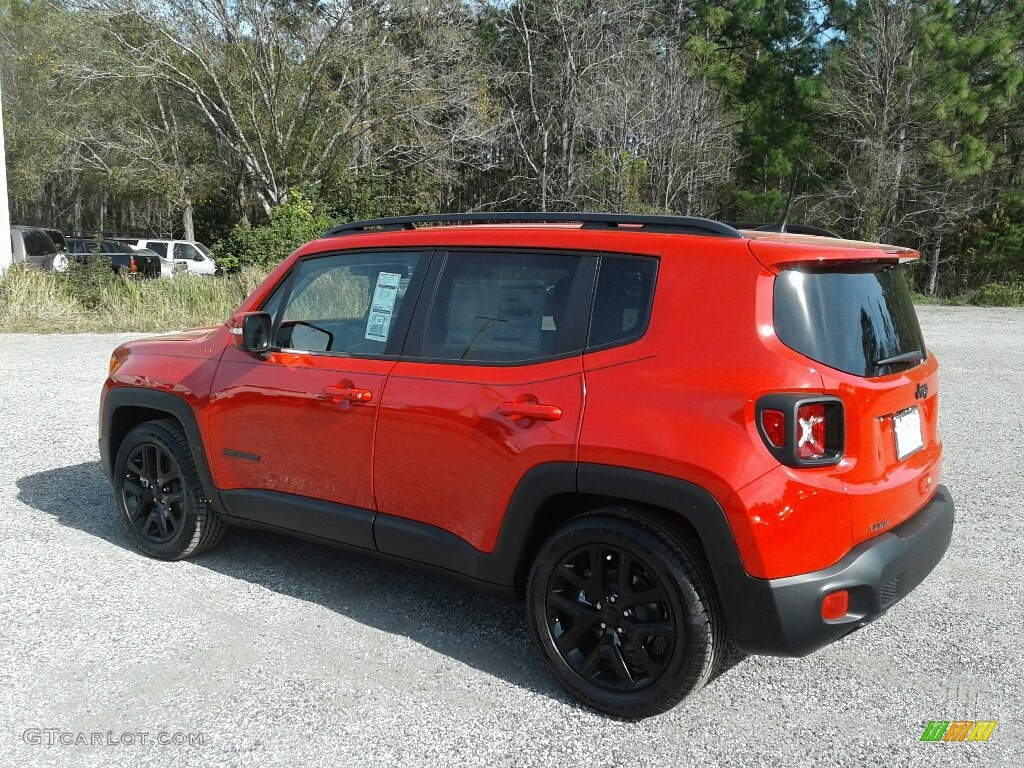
[(38, 243), (849, 320), (156, 247), (505, 308)]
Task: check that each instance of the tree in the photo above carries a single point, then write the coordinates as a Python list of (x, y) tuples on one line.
[(600, 109), (292, 93), (39, 152), (908, 92)]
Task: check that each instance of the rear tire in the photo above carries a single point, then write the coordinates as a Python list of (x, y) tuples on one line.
[(161, 499), (623, 614)]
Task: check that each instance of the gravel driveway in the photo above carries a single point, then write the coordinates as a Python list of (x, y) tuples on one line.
[(275, 652)]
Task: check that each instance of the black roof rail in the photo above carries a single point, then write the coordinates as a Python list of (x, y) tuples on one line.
[(664, 224), (792, 229)]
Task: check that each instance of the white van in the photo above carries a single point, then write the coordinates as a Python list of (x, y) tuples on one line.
[(196, 257)]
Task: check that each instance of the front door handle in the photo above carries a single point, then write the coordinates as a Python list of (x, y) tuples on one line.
[(350, 393), (530, 410)]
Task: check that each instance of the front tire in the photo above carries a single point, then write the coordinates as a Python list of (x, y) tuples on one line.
[(160, 496), (622, 613)]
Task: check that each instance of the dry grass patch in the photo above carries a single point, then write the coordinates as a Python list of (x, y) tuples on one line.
[(95, 299)]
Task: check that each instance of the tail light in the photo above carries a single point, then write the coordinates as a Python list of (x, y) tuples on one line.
[(810, 432), (773, 424), (132, 267), (802, 431)]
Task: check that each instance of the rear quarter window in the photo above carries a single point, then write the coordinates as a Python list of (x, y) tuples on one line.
[(848, 320), (622, 300)]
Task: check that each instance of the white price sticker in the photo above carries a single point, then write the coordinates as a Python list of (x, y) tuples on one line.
[(385, 295)]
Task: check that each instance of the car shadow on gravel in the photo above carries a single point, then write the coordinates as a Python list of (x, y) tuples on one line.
[(440, 613)]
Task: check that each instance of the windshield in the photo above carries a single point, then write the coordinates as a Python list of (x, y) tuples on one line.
[(852, 320)]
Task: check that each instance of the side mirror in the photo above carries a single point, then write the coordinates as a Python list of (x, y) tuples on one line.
[(251, 331)]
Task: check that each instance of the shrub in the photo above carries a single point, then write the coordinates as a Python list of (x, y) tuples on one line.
[(301, 219), (91, 282), (998, 295)]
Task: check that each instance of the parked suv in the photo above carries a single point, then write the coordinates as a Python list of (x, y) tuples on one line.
[(656, 430), (39, 247)]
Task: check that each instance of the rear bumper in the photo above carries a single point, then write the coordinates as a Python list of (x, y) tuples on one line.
[(782, 617)]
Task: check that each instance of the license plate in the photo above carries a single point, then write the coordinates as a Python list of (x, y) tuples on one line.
[(906, 425)]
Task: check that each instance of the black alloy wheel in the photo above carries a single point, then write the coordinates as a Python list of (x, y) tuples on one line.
[(611, 618), (622, 611), (153, 492), (160, 495)]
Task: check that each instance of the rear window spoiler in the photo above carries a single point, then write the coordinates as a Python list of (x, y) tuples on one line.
[(776, 252)]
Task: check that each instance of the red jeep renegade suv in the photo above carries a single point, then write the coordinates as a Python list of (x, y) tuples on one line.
[(656, 430)]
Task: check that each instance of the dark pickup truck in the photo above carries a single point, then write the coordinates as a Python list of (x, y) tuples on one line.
[(122, 257)]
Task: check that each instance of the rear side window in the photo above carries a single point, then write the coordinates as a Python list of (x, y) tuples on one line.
[(38, 243), (503, 308), (622, 300), (849, 320), (160, 248)]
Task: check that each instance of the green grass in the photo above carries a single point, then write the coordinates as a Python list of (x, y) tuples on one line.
[(95, 299), (920, 298)]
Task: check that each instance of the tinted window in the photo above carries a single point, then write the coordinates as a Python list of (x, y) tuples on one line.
[(349, 303), (501, 307), (848, 320), (622, 301), (58, 239), (38, 243), (157, 247)]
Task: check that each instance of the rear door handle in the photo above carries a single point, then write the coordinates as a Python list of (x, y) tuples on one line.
[(352, 394), (527, 410)]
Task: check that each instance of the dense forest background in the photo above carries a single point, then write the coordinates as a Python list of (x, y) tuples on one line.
[(902, 121)]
